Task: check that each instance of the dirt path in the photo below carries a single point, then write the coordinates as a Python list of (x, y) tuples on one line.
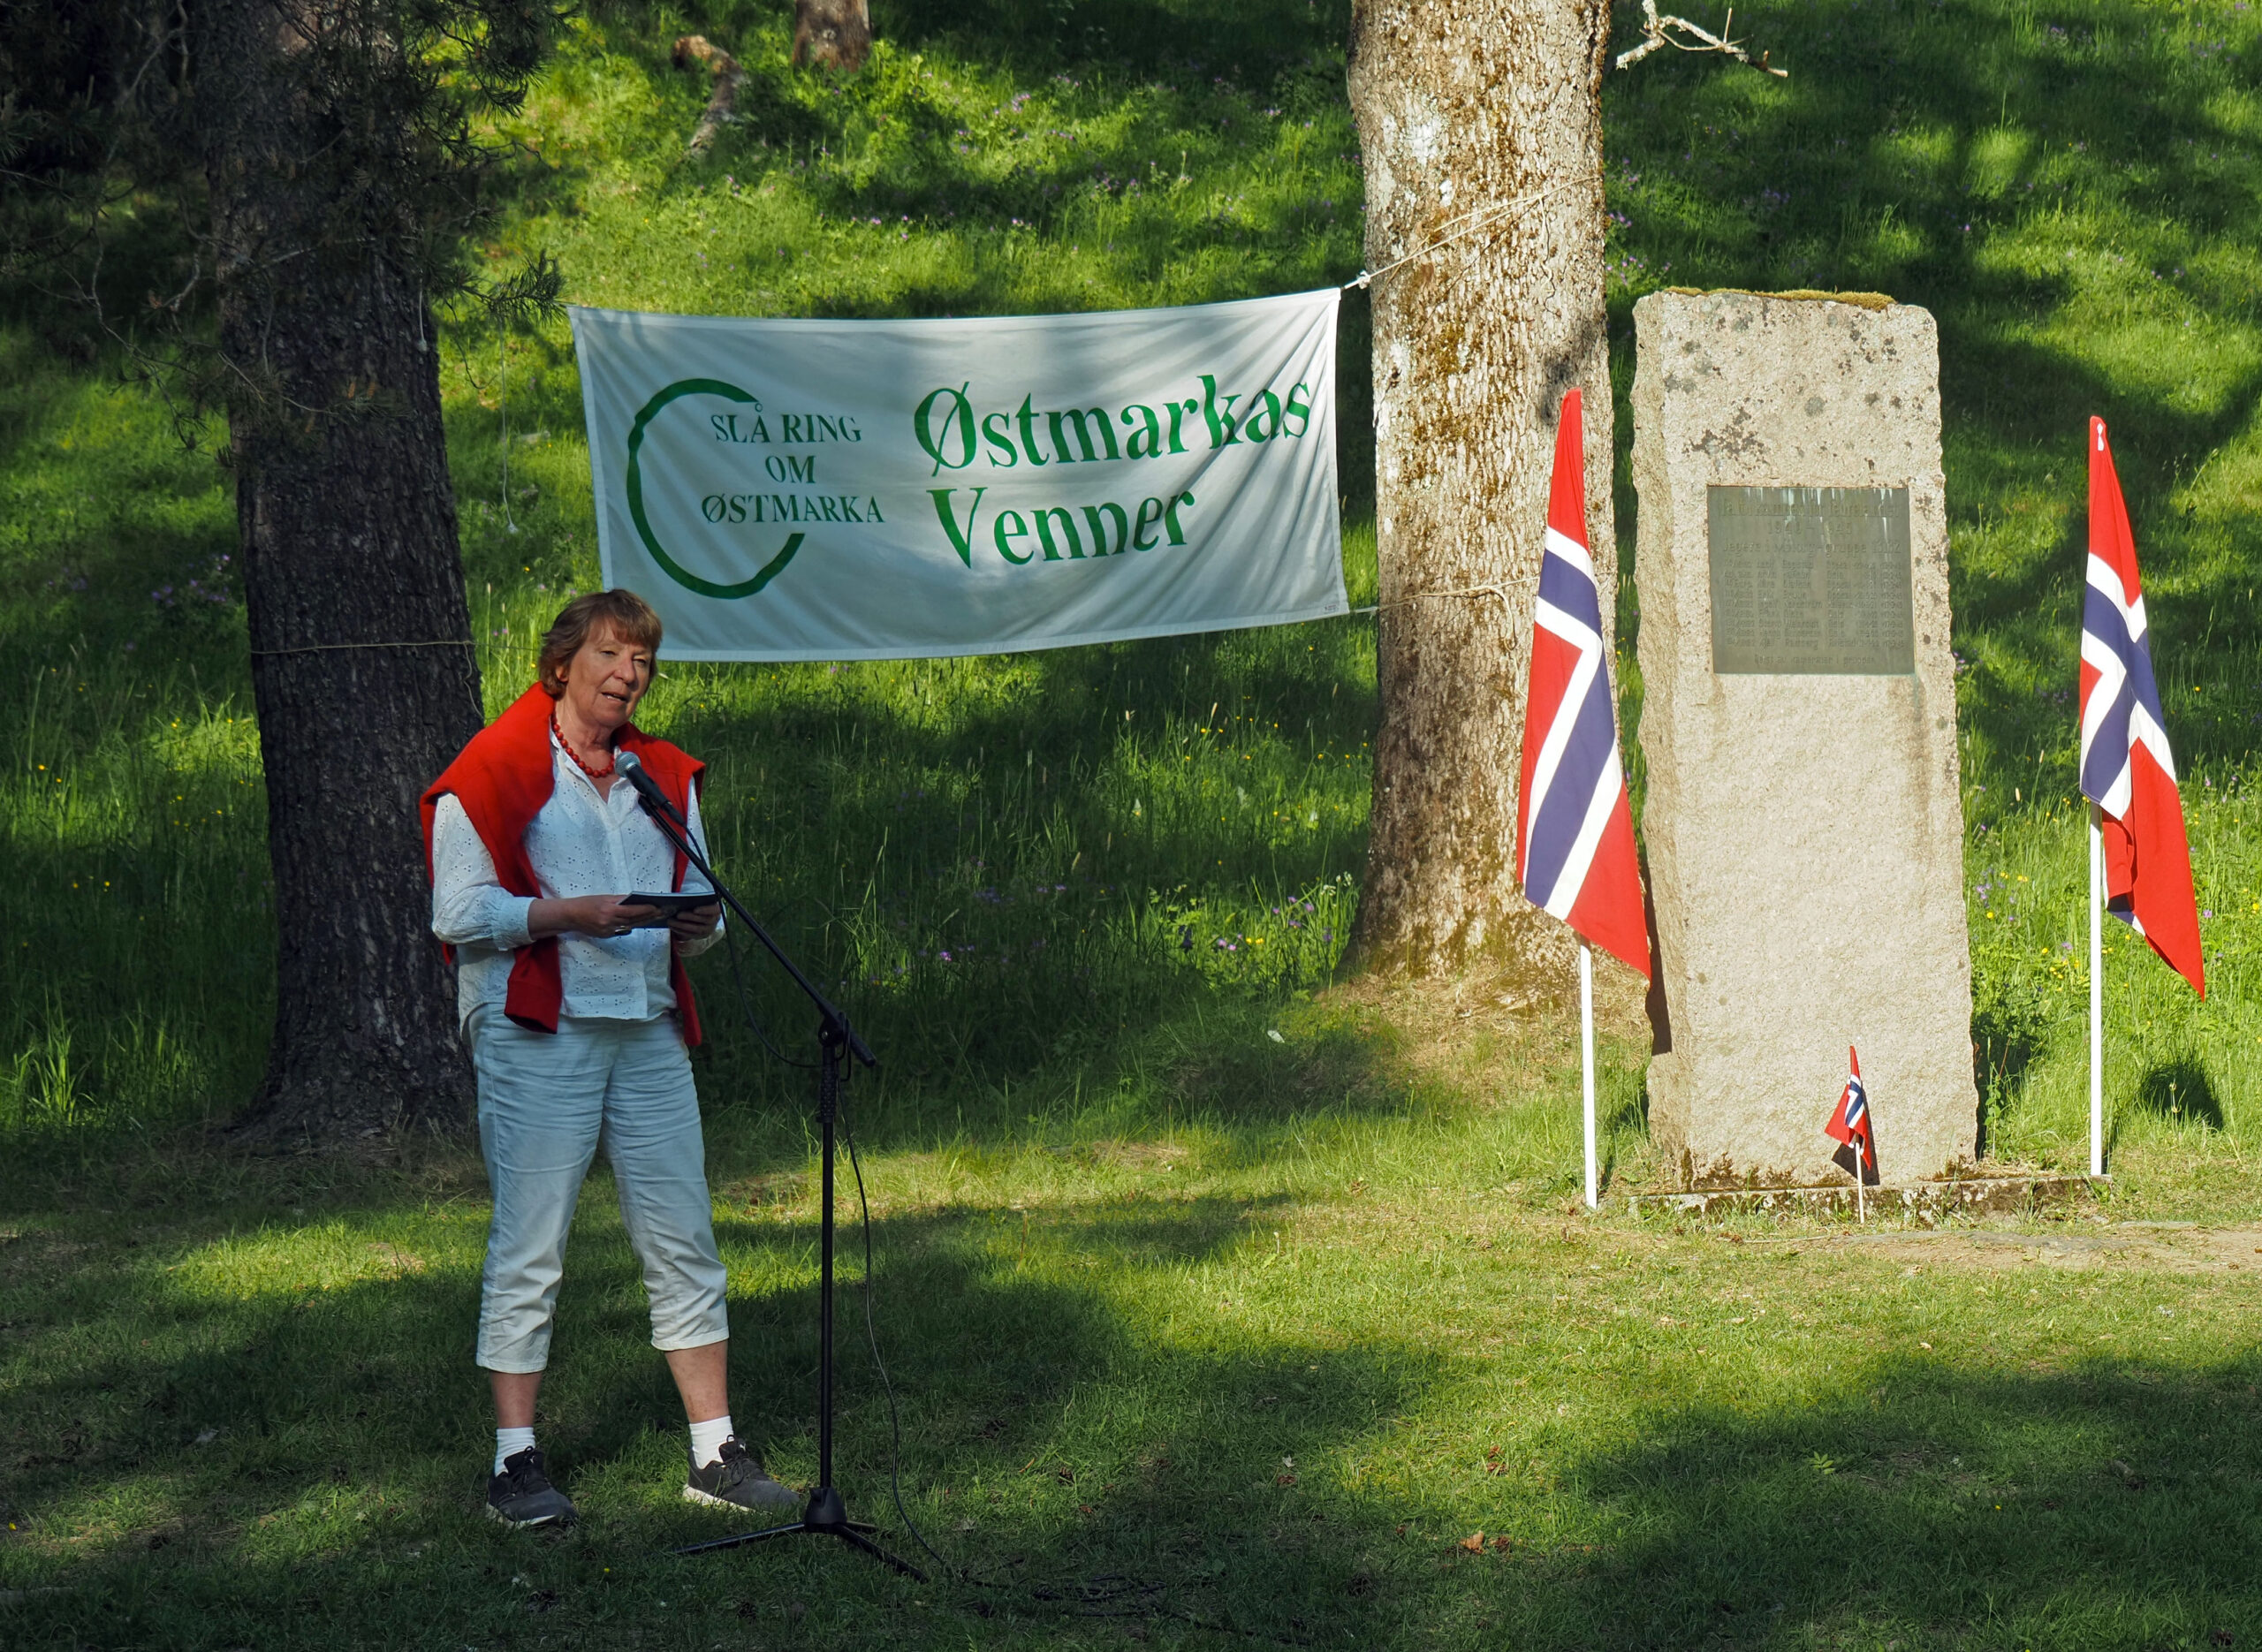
[(2166, 1247)]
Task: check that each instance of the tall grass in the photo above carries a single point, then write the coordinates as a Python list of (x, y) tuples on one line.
[(136, 943)]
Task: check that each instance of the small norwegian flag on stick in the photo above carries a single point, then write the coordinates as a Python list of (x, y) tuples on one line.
[(1849, 1123), (1575, 831)]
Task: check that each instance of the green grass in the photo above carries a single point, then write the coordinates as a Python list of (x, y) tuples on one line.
[(1264, 1328)]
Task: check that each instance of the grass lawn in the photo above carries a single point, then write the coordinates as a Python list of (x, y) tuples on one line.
[(1226, 1303)]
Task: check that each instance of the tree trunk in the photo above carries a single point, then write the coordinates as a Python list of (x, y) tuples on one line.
[(832, 34), (362, 669), (1463, 106)]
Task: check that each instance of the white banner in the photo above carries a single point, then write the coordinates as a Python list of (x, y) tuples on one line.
[(884, 490)]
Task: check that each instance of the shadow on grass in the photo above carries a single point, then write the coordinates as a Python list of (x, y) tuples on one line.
[(1940, 1505), (2008, 1025), (276, 1469), (1029, 896), (2180, 1091), (1204, 1476)]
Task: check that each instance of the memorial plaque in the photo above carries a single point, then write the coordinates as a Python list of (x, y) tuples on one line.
[(1811, 579), (1803, 818)]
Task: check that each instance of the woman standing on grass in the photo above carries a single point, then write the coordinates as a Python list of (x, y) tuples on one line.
[(579, 1015)]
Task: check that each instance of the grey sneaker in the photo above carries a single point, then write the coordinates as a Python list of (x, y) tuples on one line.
[(522, 1496), (737, 1480)]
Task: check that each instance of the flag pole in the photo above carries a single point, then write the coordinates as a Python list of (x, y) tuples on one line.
[(2096, 991), (1586, 1062)]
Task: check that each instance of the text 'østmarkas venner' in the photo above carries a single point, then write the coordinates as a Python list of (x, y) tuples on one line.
[(946, 420)]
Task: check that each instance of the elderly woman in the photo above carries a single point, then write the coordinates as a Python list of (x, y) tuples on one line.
[(578, 1014)]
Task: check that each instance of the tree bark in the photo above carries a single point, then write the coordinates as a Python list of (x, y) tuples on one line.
[(832, 34), (722, 104), (1463, 106), (362, 670)]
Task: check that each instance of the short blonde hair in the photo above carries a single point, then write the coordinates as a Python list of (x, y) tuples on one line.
[(624, 613)]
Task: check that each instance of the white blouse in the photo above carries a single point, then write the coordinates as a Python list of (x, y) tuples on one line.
[(580, 844)]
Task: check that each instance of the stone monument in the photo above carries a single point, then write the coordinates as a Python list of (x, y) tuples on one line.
[(1803, 823)]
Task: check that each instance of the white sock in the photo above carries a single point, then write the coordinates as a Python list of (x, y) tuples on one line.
[(510, 1443), (707, 1440)]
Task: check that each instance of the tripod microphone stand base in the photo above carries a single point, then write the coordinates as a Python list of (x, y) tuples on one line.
[(825, 1516)]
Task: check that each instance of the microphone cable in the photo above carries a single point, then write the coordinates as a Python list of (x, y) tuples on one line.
[(1088, 1596), (872, 1340), (950, 1568), (864, 1209), (864, 1213)]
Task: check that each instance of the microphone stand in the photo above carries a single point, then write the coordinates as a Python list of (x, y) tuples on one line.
[(825, 1514)]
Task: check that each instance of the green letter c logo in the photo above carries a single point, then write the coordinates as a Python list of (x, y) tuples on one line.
[(683, 577)]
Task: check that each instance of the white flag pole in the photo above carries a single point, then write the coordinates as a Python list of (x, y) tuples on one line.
[(2096, 991), (1586, 1062)]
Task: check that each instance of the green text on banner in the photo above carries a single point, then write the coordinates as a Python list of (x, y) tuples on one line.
[(887, 490)]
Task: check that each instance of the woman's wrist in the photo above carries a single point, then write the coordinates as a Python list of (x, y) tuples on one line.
[(603, 916), (555, 917)]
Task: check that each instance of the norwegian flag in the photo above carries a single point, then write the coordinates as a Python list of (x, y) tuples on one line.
[(1849, 1120), (2127, 769), (1575, 832)]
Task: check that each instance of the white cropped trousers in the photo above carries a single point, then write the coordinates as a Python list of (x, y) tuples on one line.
[(547, 1102)]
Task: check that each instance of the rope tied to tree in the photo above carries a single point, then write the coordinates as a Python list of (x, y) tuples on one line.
[(1485, 216), (1423, 596), (327, 647)]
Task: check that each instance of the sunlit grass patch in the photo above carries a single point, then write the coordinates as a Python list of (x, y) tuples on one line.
[(324, 1256)]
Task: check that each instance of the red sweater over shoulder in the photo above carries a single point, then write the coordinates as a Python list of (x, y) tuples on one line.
[(502, 778)]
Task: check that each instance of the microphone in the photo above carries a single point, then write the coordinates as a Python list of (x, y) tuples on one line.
[(648, 790)]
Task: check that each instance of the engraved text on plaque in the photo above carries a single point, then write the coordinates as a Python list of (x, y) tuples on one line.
[(1811, 579)]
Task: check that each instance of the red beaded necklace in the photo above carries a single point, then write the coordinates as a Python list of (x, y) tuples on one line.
[(594, 774)]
